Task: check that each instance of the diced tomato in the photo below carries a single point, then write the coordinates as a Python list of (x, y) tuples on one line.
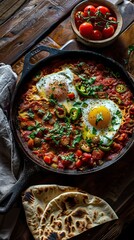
[(47, 159), (39, 134), (66, 163), (86, 157), (25, 135), (91, 162), (30, 123), (30, 143), (60, 165), (123, 137), (97, 154), (71, 95), (36, 152), (50, 154), (117, 147), (78, 164), (78, 153)]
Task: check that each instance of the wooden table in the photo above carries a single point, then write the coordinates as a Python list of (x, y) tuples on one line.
[(28, 24)]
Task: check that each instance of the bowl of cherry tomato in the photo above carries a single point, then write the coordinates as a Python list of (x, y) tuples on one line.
[(96, 23)]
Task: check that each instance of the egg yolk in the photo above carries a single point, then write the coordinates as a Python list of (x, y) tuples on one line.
[(99, 117)]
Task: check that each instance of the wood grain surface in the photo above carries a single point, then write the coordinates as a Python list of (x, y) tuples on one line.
[(29, 26), (114, 184), (26, 23), (8, 8)]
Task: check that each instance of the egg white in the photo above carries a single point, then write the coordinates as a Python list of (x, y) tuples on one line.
[(65, 75), (109, 132)]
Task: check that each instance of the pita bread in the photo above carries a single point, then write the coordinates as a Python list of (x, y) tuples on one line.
[(59, 212), (35, 200)]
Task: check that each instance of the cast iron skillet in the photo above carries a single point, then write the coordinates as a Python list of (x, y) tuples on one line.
[(31, 164)]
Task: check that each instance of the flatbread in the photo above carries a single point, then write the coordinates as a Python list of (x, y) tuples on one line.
[(35, 200), (60, 212)]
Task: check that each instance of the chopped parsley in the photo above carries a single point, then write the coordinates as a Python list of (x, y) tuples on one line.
[(59, 130), (77, 104), (99, 118), (94, 131), (84, 104), (87, 80), (37, 130), (114, 120), (77, 139), (118, 113), (115, 74), (41, 112), (81, 64), (52, 100), (70, 157), (47, 116), (30, 113)]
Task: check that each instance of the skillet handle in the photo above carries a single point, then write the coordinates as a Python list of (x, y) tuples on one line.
[(27, 65), (10, 198)]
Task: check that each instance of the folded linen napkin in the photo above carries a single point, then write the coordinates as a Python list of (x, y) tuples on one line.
[(9, 158)]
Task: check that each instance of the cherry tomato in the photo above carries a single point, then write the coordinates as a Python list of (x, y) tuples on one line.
[(104, 10), (96, 35), (99, 25), (113, 21), (79, 17), (102, 23), (89, 11), (108, 31), (86, 29)]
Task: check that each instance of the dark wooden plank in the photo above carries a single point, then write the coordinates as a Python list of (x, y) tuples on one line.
[(32, 23), (8, 8), (29, 24)]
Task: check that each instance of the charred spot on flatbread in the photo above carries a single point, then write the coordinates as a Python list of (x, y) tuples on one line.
[(28, 197)]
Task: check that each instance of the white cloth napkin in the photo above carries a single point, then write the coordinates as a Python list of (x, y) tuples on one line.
[(9, 158)]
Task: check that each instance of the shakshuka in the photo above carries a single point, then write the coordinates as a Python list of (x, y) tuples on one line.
[(76, 115)]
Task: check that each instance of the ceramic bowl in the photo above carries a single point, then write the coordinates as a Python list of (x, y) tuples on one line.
[(103, 42)]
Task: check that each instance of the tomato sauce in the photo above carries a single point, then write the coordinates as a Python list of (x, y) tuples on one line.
[(52, 128)]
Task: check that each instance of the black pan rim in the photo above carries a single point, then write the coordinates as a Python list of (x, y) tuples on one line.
[(38, 66)]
